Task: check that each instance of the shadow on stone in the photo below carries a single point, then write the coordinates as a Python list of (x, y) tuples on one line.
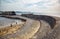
[(50, 20)]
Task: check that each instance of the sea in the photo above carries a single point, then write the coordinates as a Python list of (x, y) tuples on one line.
[(48, 14)]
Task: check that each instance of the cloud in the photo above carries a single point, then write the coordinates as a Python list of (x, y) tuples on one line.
[(44, 6), (6, 1)]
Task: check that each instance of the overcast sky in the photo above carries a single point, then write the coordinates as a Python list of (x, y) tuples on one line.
[(43, 6)]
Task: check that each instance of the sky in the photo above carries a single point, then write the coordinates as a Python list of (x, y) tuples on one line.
[(42, 6)]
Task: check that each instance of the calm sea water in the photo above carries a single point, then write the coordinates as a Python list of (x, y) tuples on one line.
[(22, 13), (48, 14), (18, 13)]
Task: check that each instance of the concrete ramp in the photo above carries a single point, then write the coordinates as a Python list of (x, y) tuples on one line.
[(26, 31)]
